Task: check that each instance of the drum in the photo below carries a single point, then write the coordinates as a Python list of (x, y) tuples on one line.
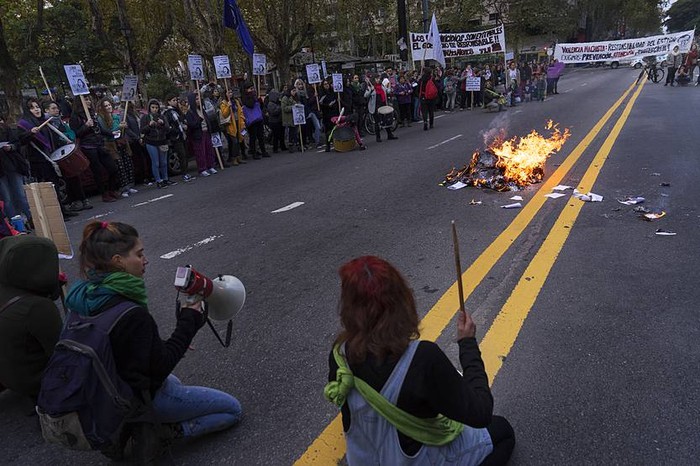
[(343, 139), (385, 110), (386, 116), (70, 160)]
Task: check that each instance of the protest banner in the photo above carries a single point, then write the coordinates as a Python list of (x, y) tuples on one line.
[(76, 79), (222, 67), (299, 118), (196, 66), (472, 85), (625, 49), (462, 44), (259, 64)]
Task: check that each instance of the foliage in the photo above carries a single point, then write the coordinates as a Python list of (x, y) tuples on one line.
[(160, 85), (683, 16)]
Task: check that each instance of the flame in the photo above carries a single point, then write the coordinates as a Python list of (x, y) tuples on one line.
[(522, 159)]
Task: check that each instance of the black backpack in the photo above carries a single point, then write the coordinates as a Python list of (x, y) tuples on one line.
[(83, 403)]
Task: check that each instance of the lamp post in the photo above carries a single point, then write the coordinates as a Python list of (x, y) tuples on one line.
[(311, 32)]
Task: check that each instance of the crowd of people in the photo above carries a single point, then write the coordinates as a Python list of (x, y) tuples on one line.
[(129, 144), (681, 67)]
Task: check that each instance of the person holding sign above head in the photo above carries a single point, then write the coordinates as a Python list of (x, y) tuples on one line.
[(92, 145), (199, 136), (402, 401), (154, 129)]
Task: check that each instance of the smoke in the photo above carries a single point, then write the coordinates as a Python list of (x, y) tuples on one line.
[(497, 130)]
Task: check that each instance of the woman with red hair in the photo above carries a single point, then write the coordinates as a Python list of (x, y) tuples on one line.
[(402, 400)]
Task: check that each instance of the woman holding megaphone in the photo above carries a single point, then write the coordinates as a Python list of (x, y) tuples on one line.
[(113, 263)]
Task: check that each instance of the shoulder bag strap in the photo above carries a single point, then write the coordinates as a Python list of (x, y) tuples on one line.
[(10, 303)]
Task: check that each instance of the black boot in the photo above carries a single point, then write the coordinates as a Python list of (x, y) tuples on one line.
[(390, 136), (379, 137)]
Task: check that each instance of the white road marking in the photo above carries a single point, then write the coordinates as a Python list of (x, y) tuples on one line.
[(440, 116), (153, 200), (517, 111), (568, 90), (445, 141), (291, 206), (177, 252), (94, 217), (584, 84)]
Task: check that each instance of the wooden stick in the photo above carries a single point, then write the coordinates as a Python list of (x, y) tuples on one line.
[(258, 90), (226, 85), (339, 106), (458, 265), (126, 109), (46, 84), (301, 140), (218, 156), (85, 107), (60, 134), (318, 104), (46, 122)]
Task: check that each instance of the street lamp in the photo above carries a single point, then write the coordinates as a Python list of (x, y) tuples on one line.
[(311, 32)]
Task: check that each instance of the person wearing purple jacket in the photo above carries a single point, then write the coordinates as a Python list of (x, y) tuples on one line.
[(404, 93), (554, 72)]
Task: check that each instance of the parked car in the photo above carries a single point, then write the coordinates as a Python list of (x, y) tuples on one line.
[(637, 63)]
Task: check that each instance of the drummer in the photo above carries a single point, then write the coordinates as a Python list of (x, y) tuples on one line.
[(376, 95), (77, 200), (38, 142)]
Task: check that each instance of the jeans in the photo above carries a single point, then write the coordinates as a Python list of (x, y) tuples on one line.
[(159, 162), (416, 109), (316, 125), (200, 410), (450, 105), (12, 192)]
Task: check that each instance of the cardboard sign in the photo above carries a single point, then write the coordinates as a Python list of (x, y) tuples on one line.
[(259, 64), (196, 67), (129, 88), (76, 79), (216, 140), (298, 114), (313, 74), (323, 67), (48, 220), (473, 84), (222, 67), (337, 82)]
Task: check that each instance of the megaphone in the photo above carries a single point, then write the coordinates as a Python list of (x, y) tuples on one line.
[(224, 296)]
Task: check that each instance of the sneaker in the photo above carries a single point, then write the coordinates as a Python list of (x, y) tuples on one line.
[(204, 173), (170, 183), (125, 194), (86, 205), (150, 183), (75, 206), (213, 171), (133, 191), (187, 178)]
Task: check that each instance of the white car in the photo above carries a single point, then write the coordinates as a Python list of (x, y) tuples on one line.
[(637, 63)]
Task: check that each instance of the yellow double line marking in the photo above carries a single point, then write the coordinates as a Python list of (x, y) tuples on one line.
[(329, 446)]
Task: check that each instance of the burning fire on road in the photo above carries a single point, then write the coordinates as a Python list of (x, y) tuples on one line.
[(511, 164)]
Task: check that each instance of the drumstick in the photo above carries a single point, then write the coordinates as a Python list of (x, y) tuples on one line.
[(458, 265), (44, 123), (60, 133)]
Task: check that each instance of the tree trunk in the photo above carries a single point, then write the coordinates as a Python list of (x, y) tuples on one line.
[(9, 78)]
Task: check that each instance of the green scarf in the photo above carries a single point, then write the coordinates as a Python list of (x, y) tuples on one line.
[(436, 431), (86, 297)]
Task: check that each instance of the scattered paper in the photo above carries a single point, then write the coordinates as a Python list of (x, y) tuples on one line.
[(516, 198), (641, 209), (632, 200), (516, 205), (457, 185), (473, 202), (654, 216), (561, 187), (661, 232), (656, 174), (590, 197), (664, 195), (554, 195)]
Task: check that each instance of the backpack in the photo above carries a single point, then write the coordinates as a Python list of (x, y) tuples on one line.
[(430, 91), (83, 403)]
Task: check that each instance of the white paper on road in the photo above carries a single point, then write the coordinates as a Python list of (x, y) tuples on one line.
[(661, 232), (561, 187), (177, 252), (516, 198), (554, 195), (590, 197), (291, 206), (516, 205), (632, 200), (457, 185)]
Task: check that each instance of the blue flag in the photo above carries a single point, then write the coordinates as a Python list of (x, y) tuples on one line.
[(234, 20)]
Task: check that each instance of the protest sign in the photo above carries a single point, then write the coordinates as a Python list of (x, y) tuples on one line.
[(460, 44), (76, 79), (298, 115), (259, 64), (337, 82), (323, 67), (625, 49), (216, 140), (313, 74), (222, 67), (196, 67), (473, 84), (129, 88)]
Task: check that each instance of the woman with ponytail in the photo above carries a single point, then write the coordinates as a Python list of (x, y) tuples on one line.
[(392, 386), (113, 263)]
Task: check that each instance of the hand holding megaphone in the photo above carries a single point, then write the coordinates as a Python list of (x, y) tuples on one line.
[(224, 296)]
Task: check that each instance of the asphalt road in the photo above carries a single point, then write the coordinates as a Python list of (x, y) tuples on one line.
[(604, 367)]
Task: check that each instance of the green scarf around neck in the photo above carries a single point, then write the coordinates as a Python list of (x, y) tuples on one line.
[(88, 297), (436, 431)]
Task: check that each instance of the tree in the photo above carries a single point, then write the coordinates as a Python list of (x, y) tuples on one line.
[(683, 16)]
